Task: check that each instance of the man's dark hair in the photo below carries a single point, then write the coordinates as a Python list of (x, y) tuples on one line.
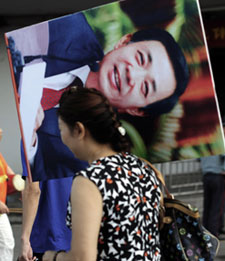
[(179, 65)]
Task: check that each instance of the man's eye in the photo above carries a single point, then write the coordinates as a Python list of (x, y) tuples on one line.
[(141, 58), (146, 89)]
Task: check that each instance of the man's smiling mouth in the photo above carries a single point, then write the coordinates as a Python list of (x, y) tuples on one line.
[(117, 80)]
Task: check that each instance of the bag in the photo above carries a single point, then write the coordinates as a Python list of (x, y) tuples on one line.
[(182, 236)]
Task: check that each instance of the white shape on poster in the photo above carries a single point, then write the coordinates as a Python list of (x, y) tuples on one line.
[(30, 97)]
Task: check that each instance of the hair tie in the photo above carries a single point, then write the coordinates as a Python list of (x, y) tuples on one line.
[(73, 88), (121, 130)]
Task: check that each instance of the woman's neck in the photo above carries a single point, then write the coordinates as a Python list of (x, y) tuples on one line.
[(99, 151), (91, 150)]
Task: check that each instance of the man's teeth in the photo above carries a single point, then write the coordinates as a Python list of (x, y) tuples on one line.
[(117, 79)]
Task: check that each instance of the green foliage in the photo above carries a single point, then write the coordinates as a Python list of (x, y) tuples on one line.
[(139, 147), (187, 31), (161, 149), (109, 23), (216, 146)]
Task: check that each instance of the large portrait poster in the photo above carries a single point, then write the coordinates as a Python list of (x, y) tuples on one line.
[(148, 57)]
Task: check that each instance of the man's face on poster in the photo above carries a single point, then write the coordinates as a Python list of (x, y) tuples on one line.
[(136, 74)]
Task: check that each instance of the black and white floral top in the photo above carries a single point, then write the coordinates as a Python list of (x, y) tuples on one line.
[(131, 194)]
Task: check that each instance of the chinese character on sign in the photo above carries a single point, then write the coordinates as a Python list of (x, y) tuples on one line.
[(219, 33)]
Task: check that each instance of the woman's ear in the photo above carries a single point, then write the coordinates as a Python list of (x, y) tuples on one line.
[(80, 130), (123, 41)]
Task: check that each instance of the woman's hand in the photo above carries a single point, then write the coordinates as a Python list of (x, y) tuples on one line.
[(3, 208), (26, 252), (38, 121)]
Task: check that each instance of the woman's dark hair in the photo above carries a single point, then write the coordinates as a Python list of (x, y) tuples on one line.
[(179, 65), (91, 108)]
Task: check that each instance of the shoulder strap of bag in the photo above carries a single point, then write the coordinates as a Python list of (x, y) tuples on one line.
[(159, 177), (185, 209)]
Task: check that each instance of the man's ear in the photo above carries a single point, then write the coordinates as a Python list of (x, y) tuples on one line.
[(80, 130), (132, 111), (123, 41)]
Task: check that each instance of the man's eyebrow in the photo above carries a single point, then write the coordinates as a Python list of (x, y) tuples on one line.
[(149, 57), (154, 85), (153, 82)]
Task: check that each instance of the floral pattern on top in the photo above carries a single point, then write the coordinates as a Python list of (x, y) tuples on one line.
[(131, 200)]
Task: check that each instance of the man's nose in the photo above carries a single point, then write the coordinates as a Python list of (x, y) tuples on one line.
[(134, 74)]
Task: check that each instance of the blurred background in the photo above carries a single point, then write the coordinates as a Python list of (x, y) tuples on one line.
[(192, 128)]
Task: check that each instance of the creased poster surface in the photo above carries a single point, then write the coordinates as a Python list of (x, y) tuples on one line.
[(149, 58)]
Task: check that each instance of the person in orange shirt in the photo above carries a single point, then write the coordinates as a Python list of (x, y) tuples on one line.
[(7, 241)]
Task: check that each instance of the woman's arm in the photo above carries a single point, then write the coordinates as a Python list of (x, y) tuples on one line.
[(9, 170), (3, 208), (86, 202), (30, 197)]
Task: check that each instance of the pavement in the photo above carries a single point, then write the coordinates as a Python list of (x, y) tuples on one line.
[(16, 222), (221, 253)]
